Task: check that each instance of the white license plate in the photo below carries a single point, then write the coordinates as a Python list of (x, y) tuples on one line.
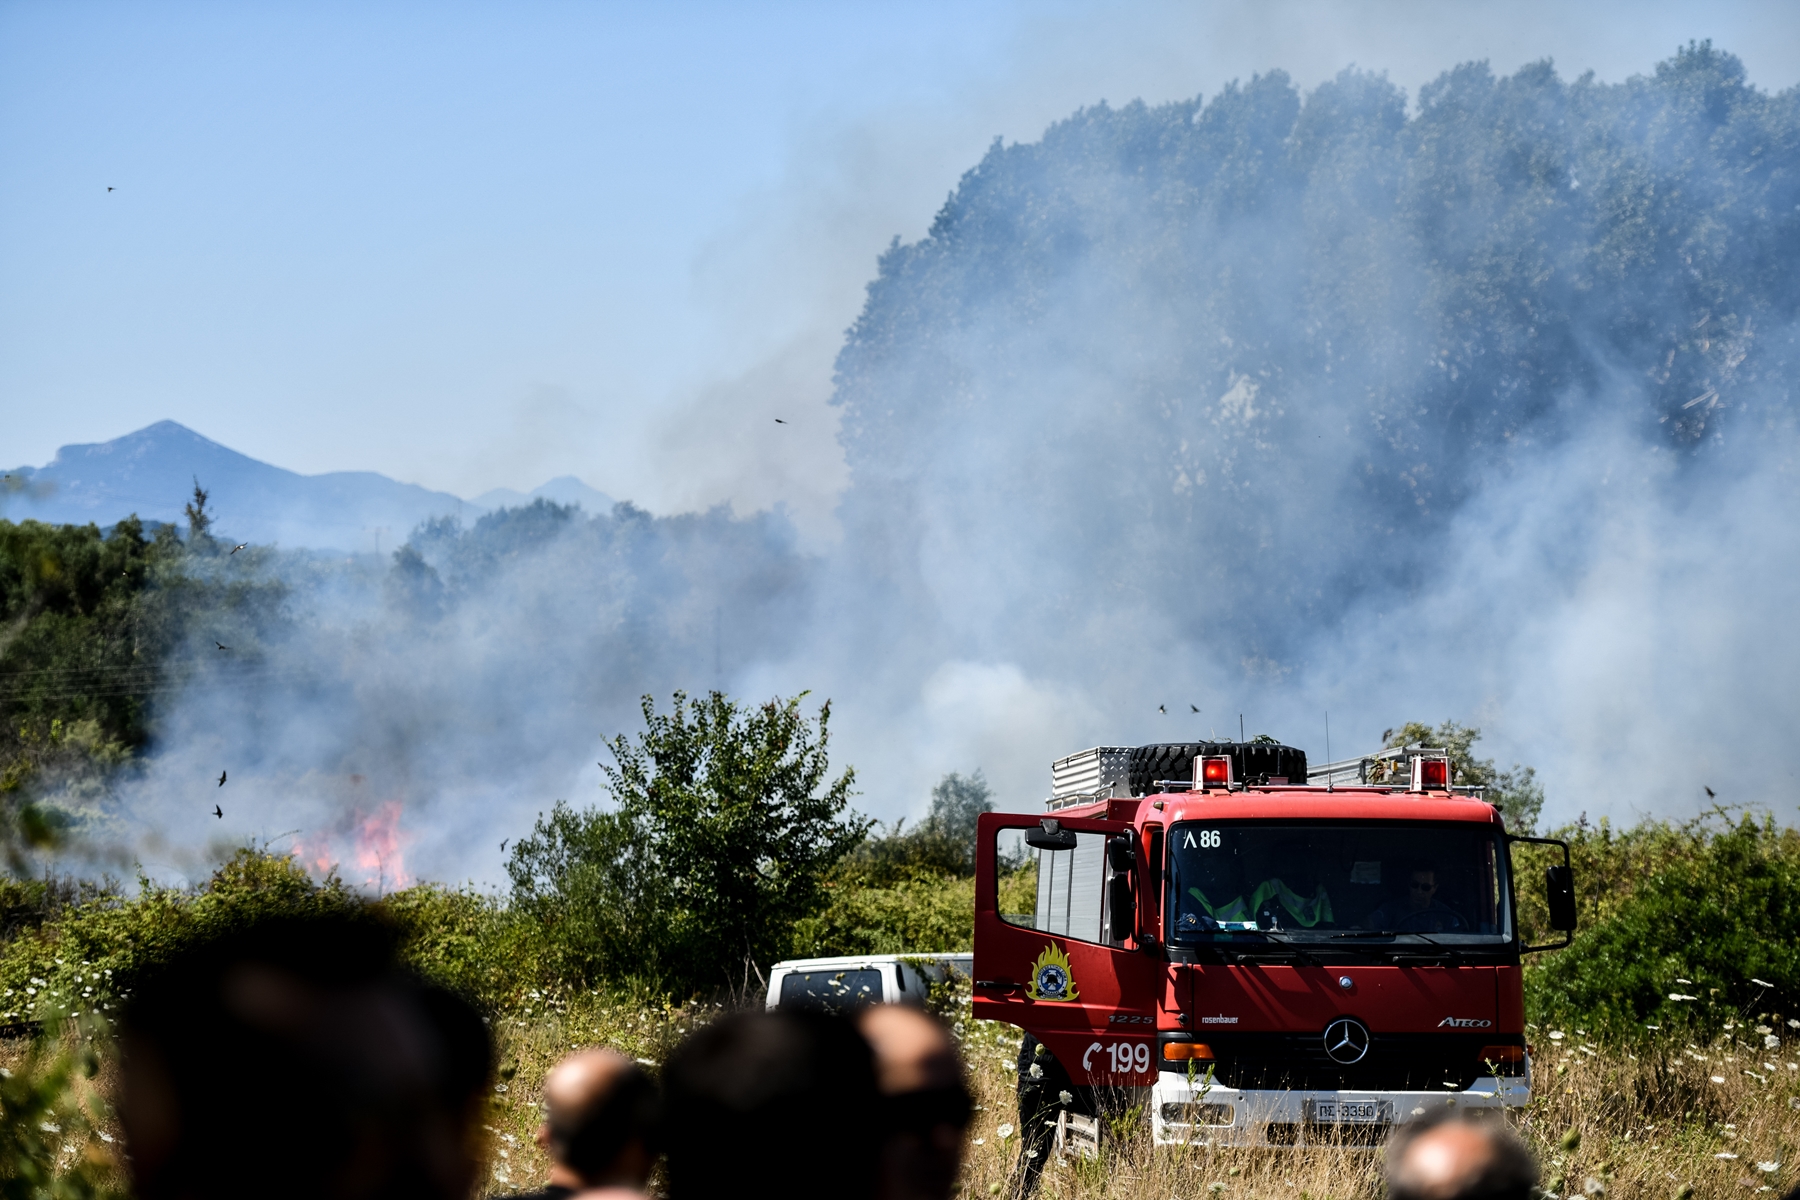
[(1350, 1112)]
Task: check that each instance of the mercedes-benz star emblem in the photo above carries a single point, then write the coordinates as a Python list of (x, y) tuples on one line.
[(1346, 1041)]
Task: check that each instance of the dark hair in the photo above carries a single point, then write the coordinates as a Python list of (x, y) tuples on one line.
[(294, 1052), (789, 1096), (1510, 1172), (590, 1140)]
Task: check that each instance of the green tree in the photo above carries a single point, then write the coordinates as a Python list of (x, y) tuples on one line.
[(727, 823), (199, 520), (1516, 793)]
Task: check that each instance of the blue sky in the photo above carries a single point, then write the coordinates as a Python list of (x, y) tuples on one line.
[(482, 245)]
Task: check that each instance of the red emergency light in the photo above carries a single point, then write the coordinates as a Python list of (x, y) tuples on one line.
[(1215, 772), (1431, 774)]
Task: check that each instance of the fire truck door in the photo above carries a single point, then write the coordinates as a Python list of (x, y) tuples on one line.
[(1056, 949)]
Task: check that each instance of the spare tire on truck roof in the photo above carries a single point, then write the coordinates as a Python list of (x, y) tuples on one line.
[(1250, 762)]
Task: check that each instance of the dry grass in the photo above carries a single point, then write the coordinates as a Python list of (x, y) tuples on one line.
[(1604, 1122)]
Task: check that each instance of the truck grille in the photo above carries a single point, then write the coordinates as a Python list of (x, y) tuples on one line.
[(1395, 1062)]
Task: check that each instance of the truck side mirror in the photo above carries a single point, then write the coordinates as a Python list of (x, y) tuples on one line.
[(1559, 882), (1121, 911), (1121, 855), (1050, 835)]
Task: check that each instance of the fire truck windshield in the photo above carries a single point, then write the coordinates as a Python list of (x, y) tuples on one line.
[(1319, 880)]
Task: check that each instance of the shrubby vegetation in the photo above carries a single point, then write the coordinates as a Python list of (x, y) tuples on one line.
[(1707, 909)]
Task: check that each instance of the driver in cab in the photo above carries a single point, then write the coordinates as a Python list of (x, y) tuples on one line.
[(1421, 912)]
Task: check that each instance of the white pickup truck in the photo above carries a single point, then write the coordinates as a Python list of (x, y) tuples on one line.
[(859, 980)]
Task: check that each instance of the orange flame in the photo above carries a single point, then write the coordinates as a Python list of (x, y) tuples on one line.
[(378, 851), (381, 848)]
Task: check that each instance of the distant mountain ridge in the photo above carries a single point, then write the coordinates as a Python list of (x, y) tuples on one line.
[(151, 473)]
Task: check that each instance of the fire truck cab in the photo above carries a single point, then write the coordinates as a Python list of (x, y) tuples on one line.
[(1258, 961)]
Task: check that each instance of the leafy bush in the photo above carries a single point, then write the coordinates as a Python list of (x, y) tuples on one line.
[(85, 959), (1709, 910)]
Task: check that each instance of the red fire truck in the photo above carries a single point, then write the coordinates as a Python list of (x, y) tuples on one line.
[(1261, 955)]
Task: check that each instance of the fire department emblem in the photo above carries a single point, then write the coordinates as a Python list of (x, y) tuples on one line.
[(1051, 978)]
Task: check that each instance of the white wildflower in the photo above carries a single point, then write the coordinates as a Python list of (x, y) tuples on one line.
[(1768, 1167), (1770, 1041), (980, 1141), (1725, 1154), (1004, 1131), (106, 1137), (1557, 1035), (1718, 1078), (1036, 1071), (1689, 982), (1593, 1187), (1681, 996), (1067, 1098), (50, 1127), (1764, 1029)]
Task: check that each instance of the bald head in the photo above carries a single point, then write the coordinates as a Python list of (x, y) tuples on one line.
[(579, 1081), (598, 1110), (913, 1052), (1450, 1156)]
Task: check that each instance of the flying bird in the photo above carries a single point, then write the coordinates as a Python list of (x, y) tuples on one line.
[(1162, 709), (221, 779), (237, 547), (218, 812), (109, 189), (1191, 708), (220, 645), (779, 421), (503, 845), (1710, 794)]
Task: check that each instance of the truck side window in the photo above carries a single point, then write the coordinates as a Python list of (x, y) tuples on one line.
[(1057, 891)]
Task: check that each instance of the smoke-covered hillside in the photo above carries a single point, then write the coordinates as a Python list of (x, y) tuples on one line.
[(1300, 402)]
